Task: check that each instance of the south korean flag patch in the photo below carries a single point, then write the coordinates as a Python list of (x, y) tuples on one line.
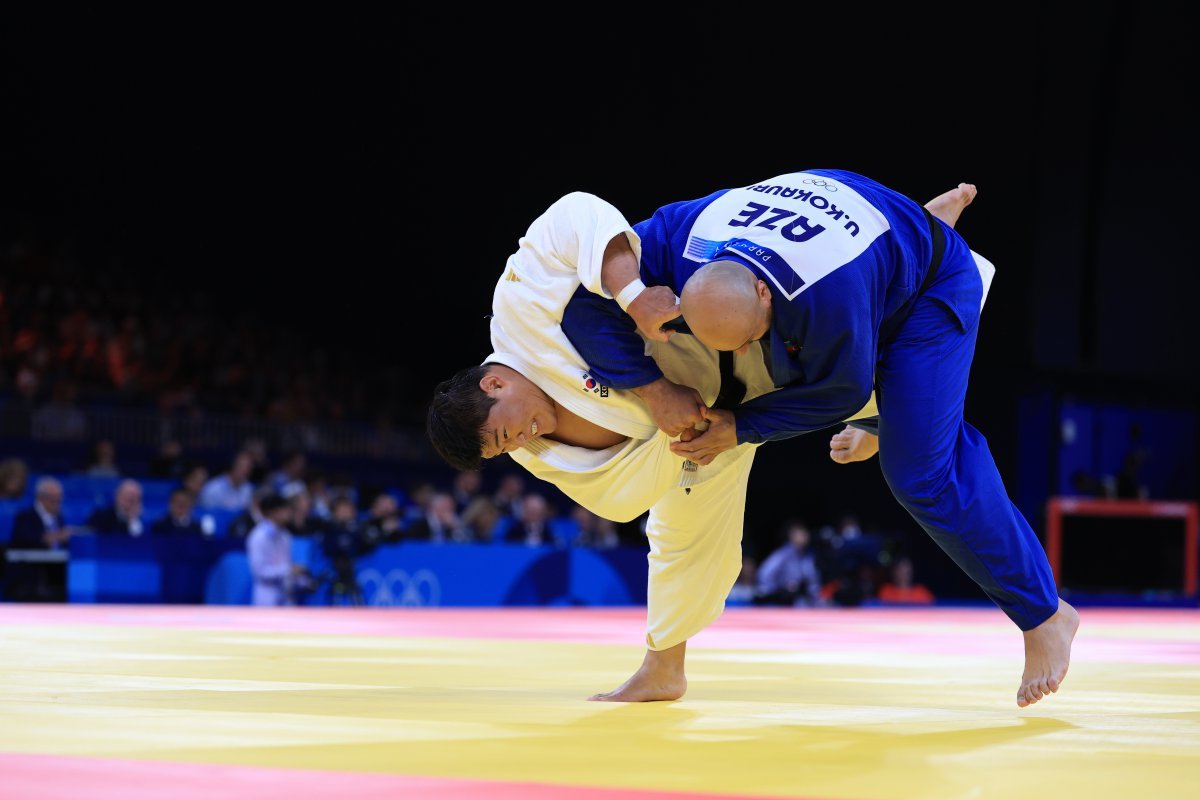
[(592, 386)]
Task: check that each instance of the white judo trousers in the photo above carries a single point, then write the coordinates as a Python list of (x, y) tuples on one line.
[(695, 533), (694, 536)]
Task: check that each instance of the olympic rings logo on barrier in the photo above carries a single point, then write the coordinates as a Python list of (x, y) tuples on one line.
[(824, 184), (398, 588)]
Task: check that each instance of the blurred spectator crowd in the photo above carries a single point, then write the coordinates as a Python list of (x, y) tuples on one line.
[(255, 497), (71, 338), (181, 497), (840, 566)]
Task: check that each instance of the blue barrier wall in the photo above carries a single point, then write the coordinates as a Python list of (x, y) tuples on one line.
[(112, 569), (148, 569)]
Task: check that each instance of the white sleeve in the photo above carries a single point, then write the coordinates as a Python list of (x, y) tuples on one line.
[(563, 249), (569, 239)]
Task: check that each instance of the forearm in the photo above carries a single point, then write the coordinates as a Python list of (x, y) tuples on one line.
[(620, 266), (649, 307), (654, 389)]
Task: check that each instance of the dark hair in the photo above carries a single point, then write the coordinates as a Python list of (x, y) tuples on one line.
[(341, 499), (456, 416), (272, 503), (785, 530), (191, 465)]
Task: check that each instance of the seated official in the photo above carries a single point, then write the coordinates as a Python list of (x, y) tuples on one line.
[(178, 520), (533, 529), (124, 516), (483, 520), (440, 524), (39, 527)]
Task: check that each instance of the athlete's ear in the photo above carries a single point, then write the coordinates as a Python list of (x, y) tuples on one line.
[(764, 293), (491, 382)]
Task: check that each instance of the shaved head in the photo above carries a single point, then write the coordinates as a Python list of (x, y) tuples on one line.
[(725, 305)]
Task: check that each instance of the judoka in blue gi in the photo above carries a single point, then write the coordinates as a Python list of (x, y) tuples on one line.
[(849, 287)]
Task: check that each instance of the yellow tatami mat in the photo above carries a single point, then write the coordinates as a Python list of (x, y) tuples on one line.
[(867, 704)]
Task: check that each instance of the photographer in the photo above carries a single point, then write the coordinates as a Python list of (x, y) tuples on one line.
[(343, 543)]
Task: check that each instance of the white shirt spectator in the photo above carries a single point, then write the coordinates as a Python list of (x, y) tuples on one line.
[(220, 492)]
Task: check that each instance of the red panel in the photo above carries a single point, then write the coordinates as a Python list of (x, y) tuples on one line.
[(1058, 507)]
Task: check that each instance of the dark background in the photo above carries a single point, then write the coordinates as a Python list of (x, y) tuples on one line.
[(362, 177)]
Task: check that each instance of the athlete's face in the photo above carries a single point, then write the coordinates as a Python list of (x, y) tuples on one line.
[(522, 412)]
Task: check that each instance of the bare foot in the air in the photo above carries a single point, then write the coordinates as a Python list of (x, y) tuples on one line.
[(1047, 655), (948, 205), (852, 444), (659, 678)]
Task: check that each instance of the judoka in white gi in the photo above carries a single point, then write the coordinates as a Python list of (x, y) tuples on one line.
[(535, 398)]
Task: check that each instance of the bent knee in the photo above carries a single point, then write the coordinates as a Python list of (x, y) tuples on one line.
[(914, 485)]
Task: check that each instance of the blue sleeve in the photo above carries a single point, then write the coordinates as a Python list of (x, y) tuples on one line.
[(868, 424), (607, 339), (826, 384), (789, 412)]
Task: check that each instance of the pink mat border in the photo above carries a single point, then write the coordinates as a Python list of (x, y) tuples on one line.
[(44, 777)]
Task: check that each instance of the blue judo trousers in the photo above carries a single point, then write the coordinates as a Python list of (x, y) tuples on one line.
[(939, 467)]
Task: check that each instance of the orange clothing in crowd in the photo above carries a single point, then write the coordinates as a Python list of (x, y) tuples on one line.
[(913, 595)]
